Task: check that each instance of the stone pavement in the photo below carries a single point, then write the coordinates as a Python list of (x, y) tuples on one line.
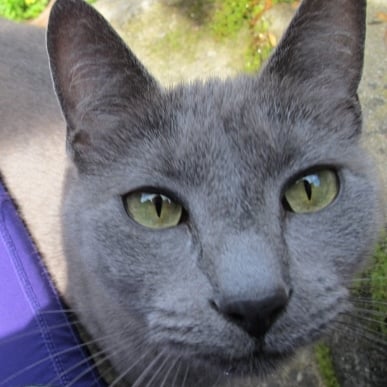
[(373, 88)]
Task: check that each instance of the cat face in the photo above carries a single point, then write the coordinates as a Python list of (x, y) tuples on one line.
[(211, 229)]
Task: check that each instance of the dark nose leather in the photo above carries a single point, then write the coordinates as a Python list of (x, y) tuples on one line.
[(254, 316)]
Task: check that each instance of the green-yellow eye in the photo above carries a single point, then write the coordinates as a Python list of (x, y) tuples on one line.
[(312, 192), (153, 210)]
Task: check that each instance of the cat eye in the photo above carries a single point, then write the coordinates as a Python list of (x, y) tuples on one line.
[(312, 192), (153, 210)]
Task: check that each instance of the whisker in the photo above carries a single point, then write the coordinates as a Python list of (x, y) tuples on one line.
[(368, 311), (352, 325), (137, 346), (58, 311), (106, 358), (95, 365), (34, 332), (145, 372), (370, 335), (363, 318), (37, 363), (368, 279), (185, 375), (124, 374), (177, 372), (172, 365), (93, 355), (368, 301), (157, 372)]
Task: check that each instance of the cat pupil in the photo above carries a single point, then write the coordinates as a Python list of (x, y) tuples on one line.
[(308, 189), (158, 202)]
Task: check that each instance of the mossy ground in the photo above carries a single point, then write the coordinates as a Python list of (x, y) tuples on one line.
[(18, 10), (21, 9), (206, 37), (371, 286), (232, 16), (325, 365), (370, 294)]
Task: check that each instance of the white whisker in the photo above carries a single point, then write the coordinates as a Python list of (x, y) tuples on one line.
[(171, 366), (96, 363), (32, 332), (124, 374), (147, 369), (363, 318), (179, 362), (372, 336), (37, 363), (157, 372), (367, 301), (357, 310), (185, 375), (369, 279)]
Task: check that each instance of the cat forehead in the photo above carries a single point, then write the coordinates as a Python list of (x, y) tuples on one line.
[(205, 133), (214, 127), (239, 126)]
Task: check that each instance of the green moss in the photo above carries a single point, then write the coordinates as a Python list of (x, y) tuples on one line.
[(24, 9), (199, 11), (231, 16), (21, 9), (181, 38), (378, 285), (371, 285), (325, 365), (260, 46), (237, 23), (176, 40)]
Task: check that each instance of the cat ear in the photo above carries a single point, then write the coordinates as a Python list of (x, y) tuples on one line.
[(323, 45), (93, 71)]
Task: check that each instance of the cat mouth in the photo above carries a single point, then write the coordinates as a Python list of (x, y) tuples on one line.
[(259, 362)]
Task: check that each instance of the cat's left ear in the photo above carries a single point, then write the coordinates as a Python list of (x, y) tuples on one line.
[(95, 74), (323, 46)]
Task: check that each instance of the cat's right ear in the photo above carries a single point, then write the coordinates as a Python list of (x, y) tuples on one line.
[(323, 46), (93, 72)]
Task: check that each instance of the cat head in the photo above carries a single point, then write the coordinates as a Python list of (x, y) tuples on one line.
[(213, 228)]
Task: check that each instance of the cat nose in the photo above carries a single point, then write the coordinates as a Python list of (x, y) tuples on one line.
[(254, 316)]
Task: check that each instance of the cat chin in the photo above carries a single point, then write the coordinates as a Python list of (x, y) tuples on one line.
[(205, 370), (256, 364)]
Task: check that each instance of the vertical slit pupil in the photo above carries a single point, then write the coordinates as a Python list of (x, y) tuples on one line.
[(308, 189), (158, 202)]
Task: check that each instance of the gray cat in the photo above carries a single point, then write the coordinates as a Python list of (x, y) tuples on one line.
[(205, 232)]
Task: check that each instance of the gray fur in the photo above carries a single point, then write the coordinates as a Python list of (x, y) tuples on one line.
[(226, 150)]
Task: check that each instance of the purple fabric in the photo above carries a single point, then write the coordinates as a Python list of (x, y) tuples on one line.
[(38, 345)]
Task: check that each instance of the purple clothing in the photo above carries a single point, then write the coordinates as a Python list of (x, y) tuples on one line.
[(37, 347)]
